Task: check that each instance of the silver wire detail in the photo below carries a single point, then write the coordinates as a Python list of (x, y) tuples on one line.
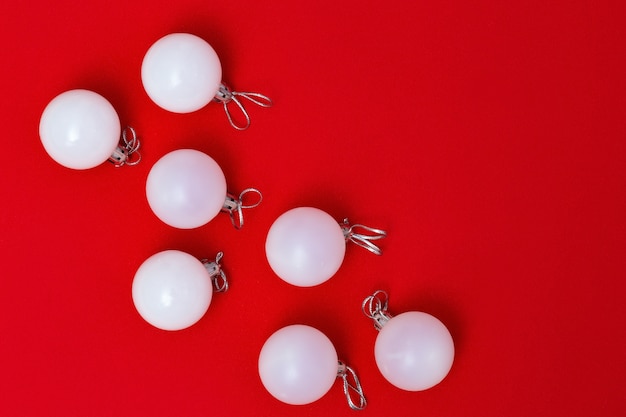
[(375, 308), (234, 206), (127, 152), (364, 238), (218, 277), (351, 389), (225, 95)]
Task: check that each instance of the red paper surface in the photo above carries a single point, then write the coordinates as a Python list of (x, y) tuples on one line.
[(486, 137)]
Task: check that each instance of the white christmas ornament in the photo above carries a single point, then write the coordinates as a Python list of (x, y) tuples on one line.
[(305, 246), (172, 290), (182, 73), (80, 129), (414, 350), (298, 364), (187, 188)]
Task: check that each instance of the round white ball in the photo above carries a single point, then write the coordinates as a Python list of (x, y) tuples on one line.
[(305, 246), (414, 351), (181, 73), (186, 188), (172, 290), (298, 364), (79, 129)]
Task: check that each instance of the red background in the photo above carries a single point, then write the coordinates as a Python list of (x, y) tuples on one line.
[(486, 137)]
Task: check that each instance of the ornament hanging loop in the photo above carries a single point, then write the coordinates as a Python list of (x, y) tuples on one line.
[(234, 206), (351, 387), (375, 308), (363, 236), (127, 152), (225, 95), (218, 277)]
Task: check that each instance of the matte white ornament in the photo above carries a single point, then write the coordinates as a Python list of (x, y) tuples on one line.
[(298, 365), (172, 290), (186, 189), (182, 73), (414, 350), (80, 129), (305, 246)]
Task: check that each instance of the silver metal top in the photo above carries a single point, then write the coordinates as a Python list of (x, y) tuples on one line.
[(234, 206), (218, 277), (351, 389), (225, 95), (127, 152), (363, 239), (375, 308)]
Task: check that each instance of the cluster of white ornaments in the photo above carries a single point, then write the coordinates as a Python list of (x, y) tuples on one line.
[(181, 73), (172, 290)]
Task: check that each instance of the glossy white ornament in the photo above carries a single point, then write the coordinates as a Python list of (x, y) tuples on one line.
[(172, 290), (305, 246), (186, 188), (414, 350), (298, 364), (79, 129), (181, 73)]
